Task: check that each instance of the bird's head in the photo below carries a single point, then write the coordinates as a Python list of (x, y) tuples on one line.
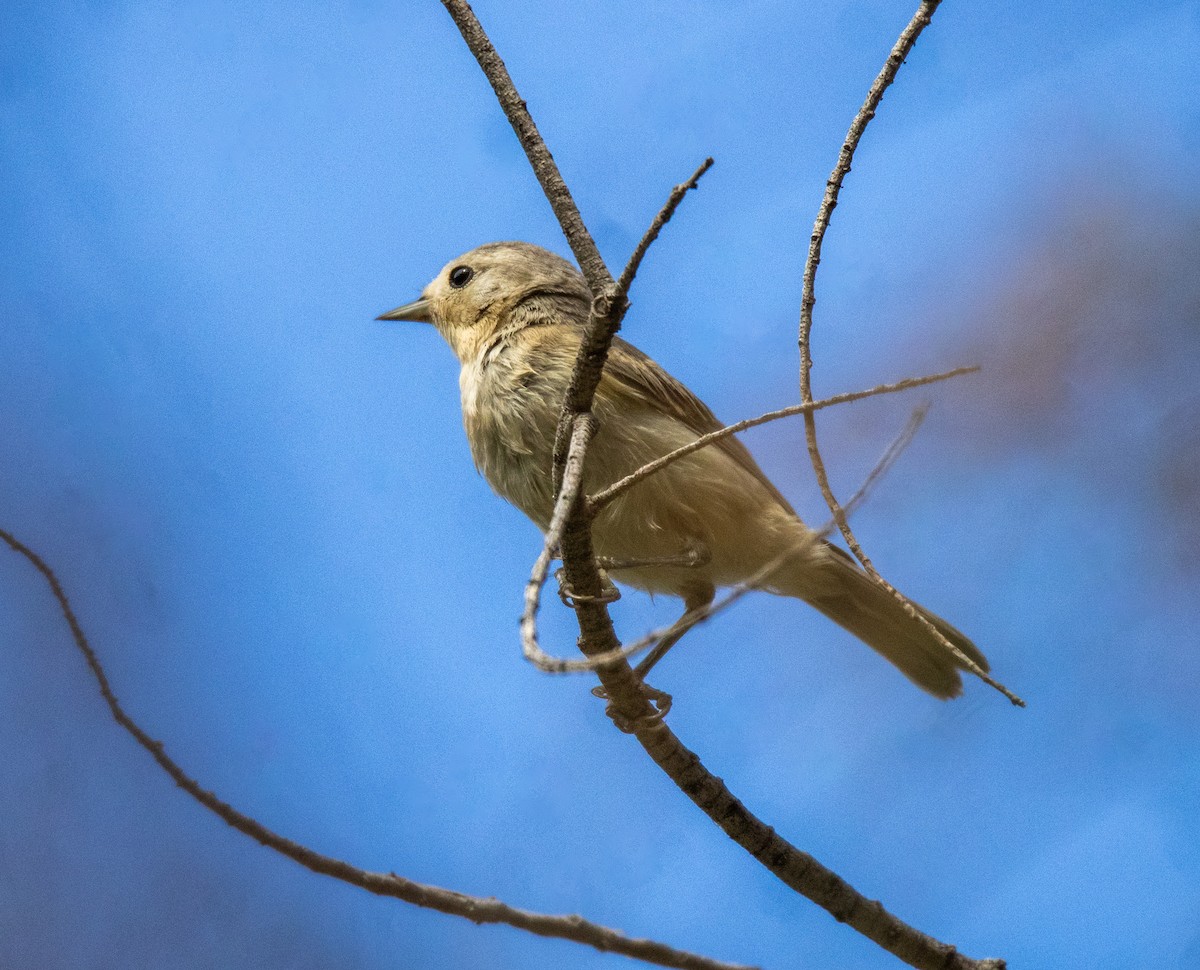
[(474, 295)]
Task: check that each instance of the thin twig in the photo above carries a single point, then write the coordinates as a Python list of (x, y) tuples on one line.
[(602, 498), (660, 220), (608, 308), (550, 663), (609, 303), (475, 908), (887, 460), (833, 186)]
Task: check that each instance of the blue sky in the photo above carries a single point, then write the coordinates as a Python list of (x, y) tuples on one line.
[(263, 506)]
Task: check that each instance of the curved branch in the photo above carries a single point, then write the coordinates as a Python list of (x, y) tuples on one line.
[(904, 45), (633, 713), (564, 506), (908, 37), (475, 908)]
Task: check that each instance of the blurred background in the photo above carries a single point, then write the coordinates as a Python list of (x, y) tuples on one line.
[(262, 503)]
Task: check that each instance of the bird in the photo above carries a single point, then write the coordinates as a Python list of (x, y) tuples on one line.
[(515, 314)]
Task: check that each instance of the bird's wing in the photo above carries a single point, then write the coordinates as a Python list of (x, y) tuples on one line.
[(642, 379)]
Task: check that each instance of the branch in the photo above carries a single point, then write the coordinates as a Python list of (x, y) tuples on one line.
[(568, 496), (634, 714), (660, 220), (703, 615), (542, 162), (537, 580), (602, 498), (475, 908), (904, 45), (608, 304)]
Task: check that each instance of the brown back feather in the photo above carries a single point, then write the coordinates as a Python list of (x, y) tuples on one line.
[(643, 379)]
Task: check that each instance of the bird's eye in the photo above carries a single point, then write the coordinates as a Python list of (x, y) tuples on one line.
[(460, 276)]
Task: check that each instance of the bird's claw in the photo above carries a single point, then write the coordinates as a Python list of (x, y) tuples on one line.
[(659, 700), (608, 590)]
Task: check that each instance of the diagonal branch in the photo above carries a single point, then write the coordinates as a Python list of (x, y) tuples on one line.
[(660, 220), (475, 908), (608, 302), (833, 186), (542, 162), (602, 498)]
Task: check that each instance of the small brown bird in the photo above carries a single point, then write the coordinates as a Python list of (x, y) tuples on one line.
[(515, 314)]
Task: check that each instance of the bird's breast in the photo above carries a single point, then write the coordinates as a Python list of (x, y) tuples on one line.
[(510, 413)]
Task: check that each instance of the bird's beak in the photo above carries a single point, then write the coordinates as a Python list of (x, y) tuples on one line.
[(418, 310)]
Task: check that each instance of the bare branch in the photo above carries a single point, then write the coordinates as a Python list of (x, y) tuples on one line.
[(795, 868), (602, 498), (908, 37), (475, 908), (542, 162), (609, 303), (660, 220), (833, 186), (537, 580)]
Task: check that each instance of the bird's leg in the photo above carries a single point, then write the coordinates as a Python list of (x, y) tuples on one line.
[(690, 558), (696, 602), (693, 556)]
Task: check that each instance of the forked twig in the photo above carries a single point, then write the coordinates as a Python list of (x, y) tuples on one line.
[(833, 186), (475, 908)]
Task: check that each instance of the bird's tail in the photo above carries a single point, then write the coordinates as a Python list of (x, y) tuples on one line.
[(850, 598)]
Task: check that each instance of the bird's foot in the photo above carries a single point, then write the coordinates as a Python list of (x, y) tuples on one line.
[(660, 702), (608, 590)]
